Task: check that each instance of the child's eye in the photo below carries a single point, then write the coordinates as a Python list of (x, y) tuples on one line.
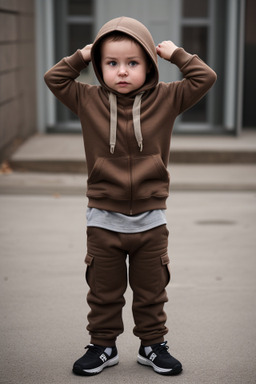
[(112, 63), (133, 63)]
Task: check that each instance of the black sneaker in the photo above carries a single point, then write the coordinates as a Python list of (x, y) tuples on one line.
[(95, 360), (158, 357)]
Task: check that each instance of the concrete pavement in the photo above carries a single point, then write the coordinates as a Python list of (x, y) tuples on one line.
[(211, 310), (210, 177)]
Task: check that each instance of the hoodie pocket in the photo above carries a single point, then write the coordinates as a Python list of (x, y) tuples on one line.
[(109, 178), (150, 177)]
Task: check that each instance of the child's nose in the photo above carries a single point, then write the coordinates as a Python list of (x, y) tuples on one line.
[(122, 70)]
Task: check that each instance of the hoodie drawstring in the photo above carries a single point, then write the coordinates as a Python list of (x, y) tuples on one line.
[(136, 121), (113, 121)]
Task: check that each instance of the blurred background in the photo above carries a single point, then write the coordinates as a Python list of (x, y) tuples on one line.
[(35, 34)]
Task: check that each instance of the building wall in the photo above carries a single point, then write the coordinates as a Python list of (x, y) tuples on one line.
[(249, 115), (17, 73)]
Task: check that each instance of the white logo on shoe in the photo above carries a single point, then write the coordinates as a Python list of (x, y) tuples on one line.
[(103, 357), (152, 357)]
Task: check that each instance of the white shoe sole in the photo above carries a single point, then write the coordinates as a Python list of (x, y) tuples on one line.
[(163, 371), (95, 371)]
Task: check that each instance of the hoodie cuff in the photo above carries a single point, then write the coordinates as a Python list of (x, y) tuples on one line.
[(76, 61), (180, 57)]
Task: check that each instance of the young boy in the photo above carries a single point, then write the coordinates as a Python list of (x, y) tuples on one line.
[(127, 123)]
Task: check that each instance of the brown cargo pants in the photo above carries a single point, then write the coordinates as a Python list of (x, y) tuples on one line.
[(106, 276)]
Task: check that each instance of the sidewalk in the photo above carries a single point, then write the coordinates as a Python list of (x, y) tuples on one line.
[(211, 310), (219, 177)]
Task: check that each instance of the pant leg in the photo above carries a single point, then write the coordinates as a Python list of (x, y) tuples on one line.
[(106, 276), (149, 276)]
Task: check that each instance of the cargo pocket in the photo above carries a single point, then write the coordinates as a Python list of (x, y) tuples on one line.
[(89, 262), (166, 263)]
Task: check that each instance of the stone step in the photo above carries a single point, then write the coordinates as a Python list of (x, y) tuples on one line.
[(65, 153)]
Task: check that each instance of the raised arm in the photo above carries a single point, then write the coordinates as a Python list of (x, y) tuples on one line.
[(198, 76), (61, 77)]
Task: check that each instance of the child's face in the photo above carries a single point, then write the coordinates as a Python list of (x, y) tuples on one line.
[(124, 65)]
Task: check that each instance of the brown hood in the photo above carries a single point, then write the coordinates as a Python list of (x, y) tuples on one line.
[(138, 32)]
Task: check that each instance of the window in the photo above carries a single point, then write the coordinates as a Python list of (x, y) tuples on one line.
[(195, 36), (74, 21)]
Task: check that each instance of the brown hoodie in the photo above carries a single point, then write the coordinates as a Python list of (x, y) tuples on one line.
[(127, 137)]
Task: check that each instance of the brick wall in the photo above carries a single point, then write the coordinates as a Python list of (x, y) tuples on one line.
[(17, 72)]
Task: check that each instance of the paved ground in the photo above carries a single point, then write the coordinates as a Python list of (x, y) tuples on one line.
[(211, 311), (184, 177), (212, 306)]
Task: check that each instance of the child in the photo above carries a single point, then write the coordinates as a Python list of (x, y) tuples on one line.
[(127, 123)]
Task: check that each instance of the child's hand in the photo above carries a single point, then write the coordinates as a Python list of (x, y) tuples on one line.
[(86, 52), (166, 49)]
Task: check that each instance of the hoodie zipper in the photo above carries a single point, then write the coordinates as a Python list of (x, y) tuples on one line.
[(131, 191), (130, 170), (129, 136)]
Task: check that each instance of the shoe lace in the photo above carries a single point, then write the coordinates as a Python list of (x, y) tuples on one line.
[(94, 349), (161, 348)]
